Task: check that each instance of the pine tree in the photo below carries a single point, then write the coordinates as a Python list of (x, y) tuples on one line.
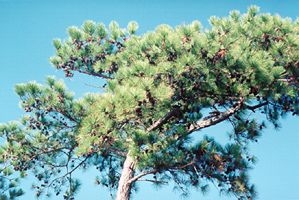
[(161, 87)]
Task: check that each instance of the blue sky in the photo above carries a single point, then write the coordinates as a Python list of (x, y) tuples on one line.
[(26, 32)]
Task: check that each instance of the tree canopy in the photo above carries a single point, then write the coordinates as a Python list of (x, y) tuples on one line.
[(161, 87)]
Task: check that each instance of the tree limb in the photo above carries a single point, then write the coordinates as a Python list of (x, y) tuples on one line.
[(93, 74), (154, 171), (70, 172), (89, 84), (141, 174), (161, 121), (256, 106), (206, 122), (117, 152), (154, 181)]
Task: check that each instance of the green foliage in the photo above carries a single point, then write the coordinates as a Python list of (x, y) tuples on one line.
[(89, 27), (74, 33), (132, 27), (101, 30), (114, 30), (161, 88), (9, 187), (57, 43)]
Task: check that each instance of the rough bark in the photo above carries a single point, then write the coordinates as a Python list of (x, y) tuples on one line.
[(206, 122), (124, 186)]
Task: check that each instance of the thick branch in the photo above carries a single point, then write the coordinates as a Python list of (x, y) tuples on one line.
[(290, 81), (117, 152), (161, 121), (206, 122), (142, 174)]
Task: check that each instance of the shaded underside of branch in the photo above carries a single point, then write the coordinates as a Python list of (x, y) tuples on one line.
[(161, 121)]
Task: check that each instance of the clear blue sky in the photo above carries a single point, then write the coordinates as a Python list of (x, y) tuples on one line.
[(26, 32)]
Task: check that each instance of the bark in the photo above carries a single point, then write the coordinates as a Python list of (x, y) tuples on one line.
[(206, 122), (124, 186)]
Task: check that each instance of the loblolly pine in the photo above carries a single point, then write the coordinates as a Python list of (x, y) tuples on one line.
[(162, 87)]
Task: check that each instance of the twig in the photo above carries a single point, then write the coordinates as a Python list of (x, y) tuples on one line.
[(154, 181), (196, 170), (154, 171), (256, 106), (93, 74), (89, 84), (65, 174)]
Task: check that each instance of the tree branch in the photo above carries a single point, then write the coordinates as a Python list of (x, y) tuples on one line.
[(256, 106), (154, 181), (117, 152), (90, 85), (154, 171), (161, 121), (70, 172), (206, 122), (92, 74), (141, 174)]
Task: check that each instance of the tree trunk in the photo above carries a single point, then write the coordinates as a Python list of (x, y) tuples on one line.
[(124, 188)]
